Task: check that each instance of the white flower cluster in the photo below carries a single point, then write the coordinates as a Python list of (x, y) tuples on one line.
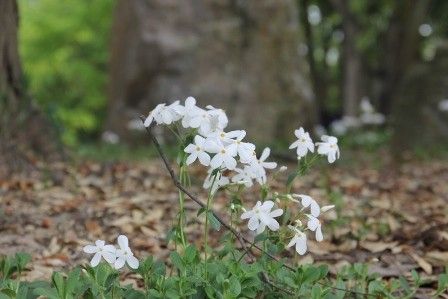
[(212, 146), (328, 147), (117, 257), (313, 223), (368, 117), (227, 151)]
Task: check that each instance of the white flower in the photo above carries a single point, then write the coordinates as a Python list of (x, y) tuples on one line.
[(299, 240), (259, 165), (319, 130), (443, 105), (315, 226), (224, 155), (329, 147), (196, 151), (100, 250), (191, 111), (163, 114), (303, 143), (245, 150), (283, 168), (308, 201), (368, 114), (261, 216), (220, 181), (366, 106), (218, 118), (110, 137), (124, 254), (135, 125), (341, 126), (225, 138), (201, 121), (243, 176), (338, 127), (372, 118)]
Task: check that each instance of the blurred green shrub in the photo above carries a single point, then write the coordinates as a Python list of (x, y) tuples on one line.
[(64, 48)]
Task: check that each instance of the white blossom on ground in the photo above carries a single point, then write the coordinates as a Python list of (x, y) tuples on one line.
[(328, 147), (368, 114), (341, 126), (110, 137), (101, 250), (303, 143), (197, 151), (124, 254), (261, 216), (299, 240), (315, 226)]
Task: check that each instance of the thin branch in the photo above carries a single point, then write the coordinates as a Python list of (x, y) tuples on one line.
[(241, 239)]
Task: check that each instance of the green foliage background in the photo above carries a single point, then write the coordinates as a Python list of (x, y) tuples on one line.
[(64, 48)]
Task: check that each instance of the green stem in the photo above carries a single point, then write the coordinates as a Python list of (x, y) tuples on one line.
[(181, 224), (302, 167), (207, 209)]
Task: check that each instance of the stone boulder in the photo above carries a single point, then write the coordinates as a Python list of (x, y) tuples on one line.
[(241, 56)]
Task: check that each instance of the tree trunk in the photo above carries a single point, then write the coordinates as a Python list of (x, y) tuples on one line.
[(352, 67), (22, 128), (401, 47)]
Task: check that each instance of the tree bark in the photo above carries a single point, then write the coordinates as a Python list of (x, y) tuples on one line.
[(352, 67), (401, 47), (23, 129)]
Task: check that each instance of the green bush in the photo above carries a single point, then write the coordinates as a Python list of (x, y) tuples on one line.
[(64, 52)]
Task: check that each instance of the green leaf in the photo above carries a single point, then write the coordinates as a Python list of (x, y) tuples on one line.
[(234, 286), (213, 221), (58, 282), (316, 292), (442, 283), (177, 261), (72, 281), (49, 293), (201, 210), (8, 292), (22, 260), (190, 254)]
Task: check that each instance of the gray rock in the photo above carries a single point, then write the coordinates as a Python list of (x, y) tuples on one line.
[(241, 56)]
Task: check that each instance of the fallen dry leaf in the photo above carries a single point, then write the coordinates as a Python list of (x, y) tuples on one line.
[(377, 246)]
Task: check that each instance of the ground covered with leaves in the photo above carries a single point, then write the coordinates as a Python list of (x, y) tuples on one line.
[(394, 219)]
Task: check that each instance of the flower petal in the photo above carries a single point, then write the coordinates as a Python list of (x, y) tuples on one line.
[(123, 241), (273, 225), (191, 158), (90, 249), (132, 262), (119, 263), (253, 223), (95, 260), (109, 257)]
